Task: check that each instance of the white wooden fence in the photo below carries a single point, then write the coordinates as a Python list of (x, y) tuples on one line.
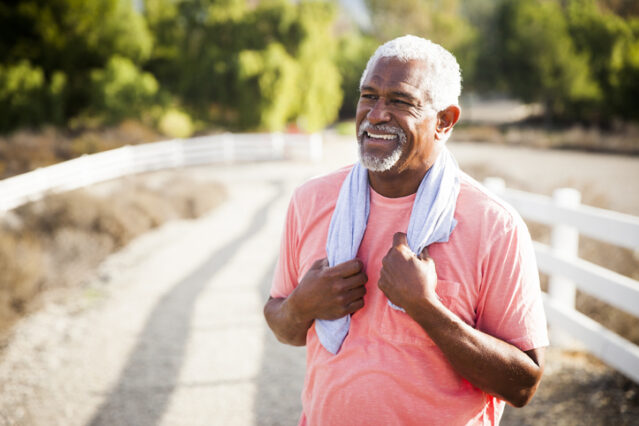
[(131, 159), (568, 272)]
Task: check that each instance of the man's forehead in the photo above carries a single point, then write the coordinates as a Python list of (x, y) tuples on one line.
[(396, 73)]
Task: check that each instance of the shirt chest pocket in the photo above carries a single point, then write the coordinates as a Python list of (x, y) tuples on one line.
[(397, 327)]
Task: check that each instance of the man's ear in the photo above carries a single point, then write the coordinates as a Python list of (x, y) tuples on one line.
[(446, 119)]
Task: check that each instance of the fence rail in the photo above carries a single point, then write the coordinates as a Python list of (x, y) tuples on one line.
[(568, 272), (132, 159)]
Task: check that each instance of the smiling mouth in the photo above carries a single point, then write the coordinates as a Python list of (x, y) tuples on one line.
[(381, 136)]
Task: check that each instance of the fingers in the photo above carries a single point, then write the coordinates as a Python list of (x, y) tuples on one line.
[(354, 294), (399, 239), (354, 281), (355, 306), (320, 263), (424, 254), (348, 268)]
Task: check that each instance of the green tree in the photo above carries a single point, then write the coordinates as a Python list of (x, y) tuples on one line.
[(610, 44), (66, 40), (353, 53), (121, 90), (246, 67), (441, 22), (539, 60)]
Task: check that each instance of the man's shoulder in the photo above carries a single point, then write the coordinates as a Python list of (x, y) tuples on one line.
[(322, 188), (480, 206)]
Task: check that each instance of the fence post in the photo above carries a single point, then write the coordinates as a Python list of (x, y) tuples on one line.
[(277, 145), (564, 241), (229, 151), (315, 147), (495, 184)]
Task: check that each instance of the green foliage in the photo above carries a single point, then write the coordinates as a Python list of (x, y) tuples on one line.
[(273, 76), (610, 43), (353, 53), (441, 22), (64, 40), (176, 124), (319, 89), (539, 59), (121, 90), (27, 98), (255, 67), (244, 64)]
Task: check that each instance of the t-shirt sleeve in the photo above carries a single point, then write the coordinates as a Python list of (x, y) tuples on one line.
[(286, 268), (510, 305)]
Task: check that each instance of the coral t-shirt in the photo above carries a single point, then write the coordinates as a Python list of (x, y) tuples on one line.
[(388, 371)]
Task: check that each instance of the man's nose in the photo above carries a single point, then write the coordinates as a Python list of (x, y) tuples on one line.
[(378, 112)]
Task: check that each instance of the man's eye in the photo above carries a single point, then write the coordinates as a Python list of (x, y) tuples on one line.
[(368, 96), (399, 101)]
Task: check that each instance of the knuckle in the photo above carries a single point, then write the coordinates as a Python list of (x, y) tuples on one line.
[(356, 263)]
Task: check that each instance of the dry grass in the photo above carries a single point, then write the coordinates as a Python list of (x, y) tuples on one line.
[(53, 243)]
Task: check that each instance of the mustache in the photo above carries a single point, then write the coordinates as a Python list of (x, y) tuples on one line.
[(366, 126)]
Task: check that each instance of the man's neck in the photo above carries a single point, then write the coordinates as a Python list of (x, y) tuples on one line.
[(392, 185), (400, 183)]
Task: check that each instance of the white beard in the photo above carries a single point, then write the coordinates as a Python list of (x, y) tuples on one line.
[(385, 163)]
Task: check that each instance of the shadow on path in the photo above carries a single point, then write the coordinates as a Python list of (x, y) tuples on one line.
[(279, 384), (144, 388)]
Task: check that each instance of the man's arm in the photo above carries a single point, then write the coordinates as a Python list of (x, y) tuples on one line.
[(324, 293), (490, 364)]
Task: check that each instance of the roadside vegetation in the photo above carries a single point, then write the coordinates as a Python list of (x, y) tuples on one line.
[(184, 66), (52, 244)]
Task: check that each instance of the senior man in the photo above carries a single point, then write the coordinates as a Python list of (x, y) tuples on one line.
[(415, 291)]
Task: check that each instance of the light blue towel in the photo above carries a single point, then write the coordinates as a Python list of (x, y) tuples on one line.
[(431, 221)]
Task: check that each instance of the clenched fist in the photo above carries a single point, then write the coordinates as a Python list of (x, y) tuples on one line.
[(407, 280), (329, 292)]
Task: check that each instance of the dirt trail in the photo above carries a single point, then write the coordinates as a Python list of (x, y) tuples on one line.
[(169, 330)]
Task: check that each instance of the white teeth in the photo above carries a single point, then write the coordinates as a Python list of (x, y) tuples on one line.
[(385, 137)]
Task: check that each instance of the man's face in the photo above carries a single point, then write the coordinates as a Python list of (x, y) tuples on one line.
[(395, 122)]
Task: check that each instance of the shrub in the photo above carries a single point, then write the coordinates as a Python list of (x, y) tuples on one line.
[(19, 281), (176, 124), (121, 90), (27, 99)]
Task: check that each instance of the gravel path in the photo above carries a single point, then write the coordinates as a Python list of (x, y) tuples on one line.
[(169, 330)]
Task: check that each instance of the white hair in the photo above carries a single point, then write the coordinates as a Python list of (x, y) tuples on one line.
[(443, 79)]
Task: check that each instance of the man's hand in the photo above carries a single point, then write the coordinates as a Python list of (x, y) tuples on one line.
[(407, 279), (324, 292), (329, 292), (492, 365)]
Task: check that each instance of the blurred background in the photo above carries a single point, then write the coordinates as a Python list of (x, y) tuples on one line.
[(550, 98)]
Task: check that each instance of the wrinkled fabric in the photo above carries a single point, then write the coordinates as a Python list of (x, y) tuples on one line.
[(432, 220)]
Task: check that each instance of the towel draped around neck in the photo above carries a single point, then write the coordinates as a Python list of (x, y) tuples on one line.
[(431, 221)]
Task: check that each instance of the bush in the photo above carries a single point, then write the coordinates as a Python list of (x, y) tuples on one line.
[(55, 242), (19, 281), (540, 60), (176, 124), (352, 55), (27, 99), (121, 90)]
